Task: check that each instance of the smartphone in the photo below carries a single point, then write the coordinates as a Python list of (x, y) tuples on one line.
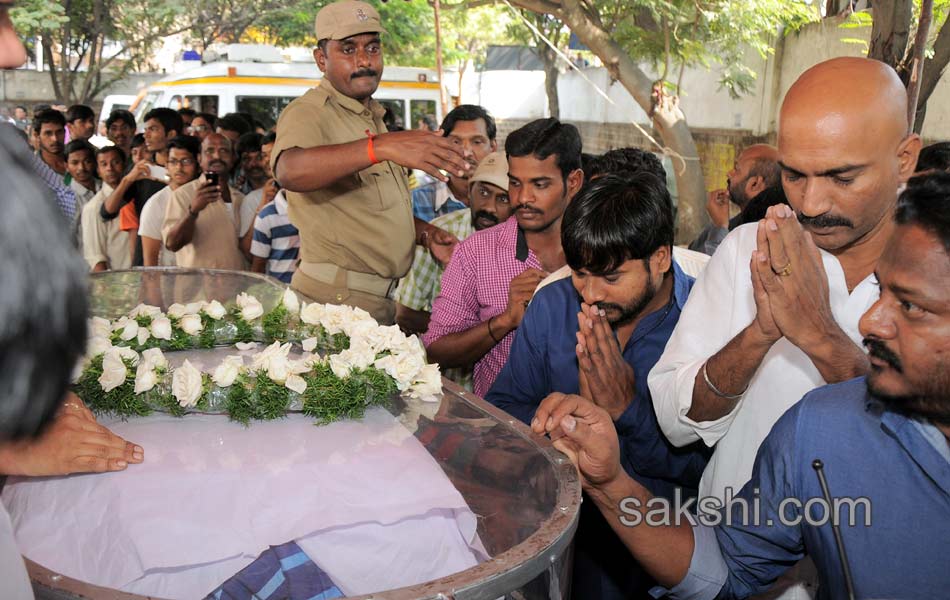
[(158, 173), (211, 178)]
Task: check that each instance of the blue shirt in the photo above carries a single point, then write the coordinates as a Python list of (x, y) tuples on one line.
[(900, 465), (425, 198), (543, 361)]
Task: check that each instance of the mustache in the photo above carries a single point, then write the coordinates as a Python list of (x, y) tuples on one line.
[(879, 350), (486, 216), (608, 306), (826, 220), (526, 208), (364, 73)]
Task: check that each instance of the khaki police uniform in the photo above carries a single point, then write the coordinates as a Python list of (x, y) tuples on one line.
[(357, 235)]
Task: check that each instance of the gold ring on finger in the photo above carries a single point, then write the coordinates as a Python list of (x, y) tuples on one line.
[(784, 271)]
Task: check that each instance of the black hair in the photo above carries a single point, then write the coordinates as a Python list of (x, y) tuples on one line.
[(137, 140), (249, 142), (544, 137), (926, 203), (79, 111), (935, 157), (588, 163), (43, 304), (120, 114), (115, 149), (210, 118), (322, 44), (755, 210), (233, 122), (79, 145), (269, 138), (187, 112), (617, 218), (625, 161), (169, 118), (188, 143), (37, 108), (48, 115), (469, 112), (20, 106), (768, 169)]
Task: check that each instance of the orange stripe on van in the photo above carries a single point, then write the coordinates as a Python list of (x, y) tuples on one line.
[(286, 81)]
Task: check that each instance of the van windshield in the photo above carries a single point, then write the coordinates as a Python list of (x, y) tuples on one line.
[(266, 109)]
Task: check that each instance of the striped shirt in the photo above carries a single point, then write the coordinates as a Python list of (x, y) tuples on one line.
[(475, 289), (65, 197), (276, 239)]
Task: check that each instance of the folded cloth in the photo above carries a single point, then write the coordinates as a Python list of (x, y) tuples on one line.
[(284, 572)]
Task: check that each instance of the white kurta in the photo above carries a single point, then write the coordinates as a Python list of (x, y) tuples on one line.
[(721, 305)]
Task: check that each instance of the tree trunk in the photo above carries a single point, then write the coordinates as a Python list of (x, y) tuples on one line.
[(934, 68), (549, 58), (890, 31), (668, 119)]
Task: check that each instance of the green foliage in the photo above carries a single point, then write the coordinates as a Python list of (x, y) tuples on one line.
[(240, 404), (330, 399), (272, 398), (274, 323), (206, 338), (245, 333), (121, 401)]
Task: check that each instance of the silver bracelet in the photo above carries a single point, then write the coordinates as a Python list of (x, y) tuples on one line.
[(715, 390)]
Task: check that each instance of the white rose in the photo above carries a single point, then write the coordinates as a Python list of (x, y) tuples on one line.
[(312, 313), (177, 310), (245, 345), (291, 302), (126, 353), (296, 383), (162, 328), (339, 365), (145, 377), (186, 384), (97, 345), (428, 384), (402, 367), (335, 317), (142, 336), (225, 374), (114, 371), (297, 367), (193, 308), (386, 338), (99, 327), (262, 359), (191, 324), (359, 314), (215, 310), (250, 307), (360, 329), (155, 357), (129, 331), (278, 368), (145, 310), (309, 344)]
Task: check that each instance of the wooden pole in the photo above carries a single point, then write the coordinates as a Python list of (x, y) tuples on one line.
[(438, 59), (917, 60)]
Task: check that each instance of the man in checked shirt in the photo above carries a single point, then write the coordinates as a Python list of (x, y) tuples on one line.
[(492, 275)]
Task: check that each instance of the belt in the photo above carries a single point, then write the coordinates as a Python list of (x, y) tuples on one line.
[(368, 283)]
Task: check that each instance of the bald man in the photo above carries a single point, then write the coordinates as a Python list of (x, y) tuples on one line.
[(755, 170)]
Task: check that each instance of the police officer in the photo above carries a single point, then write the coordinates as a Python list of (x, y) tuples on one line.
[(347, 190)]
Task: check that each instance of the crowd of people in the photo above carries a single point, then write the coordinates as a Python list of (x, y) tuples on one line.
[(800, 346)]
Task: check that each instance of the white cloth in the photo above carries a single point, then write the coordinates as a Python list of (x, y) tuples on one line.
[(248, 213), (103, 241), (719, 307), (83, 196), (150, 224), (692, 263), (14, 582), (212, 495)]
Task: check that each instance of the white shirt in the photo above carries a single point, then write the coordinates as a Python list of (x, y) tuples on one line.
[(150, 224), (83, 196), (719, 307), (103, 241)]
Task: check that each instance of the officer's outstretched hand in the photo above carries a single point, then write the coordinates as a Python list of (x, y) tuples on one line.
[(424, 150), (584, 432)]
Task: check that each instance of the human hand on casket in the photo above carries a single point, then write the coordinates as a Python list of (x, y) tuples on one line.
[(73, 443), (585, 433)]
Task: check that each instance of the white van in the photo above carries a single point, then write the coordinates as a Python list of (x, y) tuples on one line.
[(255, 79)]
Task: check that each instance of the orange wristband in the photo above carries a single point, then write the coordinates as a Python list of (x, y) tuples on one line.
[(370, 150)]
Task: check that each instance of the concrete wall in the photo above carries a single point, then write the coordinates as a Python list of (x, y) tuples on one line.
[(22, 86)]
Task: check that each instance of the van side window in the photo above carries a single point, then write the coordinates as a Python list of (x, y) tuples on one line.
[(265, 109)]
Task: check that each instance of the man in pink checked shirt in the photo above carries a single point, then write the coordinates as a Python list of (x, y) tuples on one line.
[(493, 273)]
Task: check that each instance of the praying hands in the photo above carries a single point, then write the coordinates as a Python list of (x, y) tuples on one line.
[(606, 379)]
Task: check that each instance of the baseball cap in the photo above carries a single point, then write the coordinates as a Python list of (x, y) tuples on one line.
[(342, 19), (493, 169)]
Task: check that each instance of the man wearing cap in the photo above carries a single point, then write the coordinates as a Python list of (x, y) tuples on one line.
[(488, 206), (342, 171)]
